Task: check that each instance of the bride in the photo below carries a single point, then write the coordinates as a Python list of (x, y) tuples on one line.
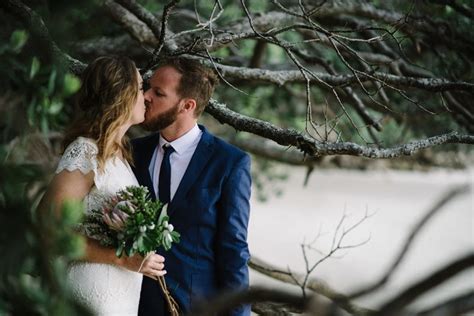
[(94, 166)]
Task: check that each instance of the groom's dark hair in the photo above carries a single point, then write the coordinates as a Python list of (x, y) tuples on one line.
[(197, 81)]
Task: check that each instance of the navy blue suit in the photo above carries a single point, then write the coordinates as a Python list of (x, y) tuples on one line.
[(210, 210)]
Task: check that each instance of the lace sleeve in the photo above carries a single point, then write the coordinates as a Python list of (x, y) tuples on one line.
[(80, 155)]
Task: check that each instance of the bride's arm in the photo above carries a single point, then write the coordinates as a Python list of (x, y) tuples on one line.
[(66, 185), (74, 186)]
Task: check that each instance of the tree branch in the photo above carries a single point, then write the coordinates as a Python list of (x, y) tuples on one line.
[(406, 23), (455, 306), (270, 150), (281, 77), (159, 30), (394, 306), (161, 39), (273, 309), (311, 147), (36, 26), (447, 197), (131, 23), (316, 285), (225, 302)]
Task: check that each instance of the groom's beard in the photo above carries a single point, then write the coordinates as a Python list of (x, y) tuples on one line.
[(162, 120)]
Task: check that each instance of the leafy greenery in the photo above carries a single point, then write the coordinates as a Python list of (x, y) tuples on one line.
[(37, 247), (132, 223), (42, 89)]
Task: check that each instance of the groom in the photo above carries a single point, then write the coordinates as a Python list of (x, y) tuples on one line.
[(207, 184)]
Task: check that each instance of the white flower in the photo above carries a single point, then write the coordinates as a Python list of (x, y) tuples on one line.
[(170, 228), (142, 229), (167, 235), (151, 227)]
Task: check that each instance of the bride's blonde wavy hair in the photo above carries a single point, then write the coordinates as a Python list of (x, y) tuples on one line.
[(105, 102)]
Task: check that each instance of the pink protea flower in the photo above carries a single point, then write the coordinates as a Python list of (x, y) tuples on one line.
[(116, 219), (125, 205)]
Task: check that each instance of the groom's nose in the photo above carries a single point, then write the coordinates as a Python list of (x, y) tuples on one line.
[(147, 96)]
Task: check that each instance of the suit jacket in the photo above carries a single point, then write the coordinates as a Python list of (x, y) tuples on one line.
[(210, 210)]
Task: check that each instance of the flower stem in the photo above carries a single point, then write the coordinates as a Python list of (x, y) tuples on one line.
[(173, 306)]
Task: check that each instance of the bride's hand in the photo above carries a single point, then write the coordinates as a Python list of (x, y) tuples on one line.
[(152, 265)]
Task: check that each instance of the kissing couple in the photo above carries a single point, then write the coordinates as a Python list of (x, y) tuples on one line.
[(205, 181)]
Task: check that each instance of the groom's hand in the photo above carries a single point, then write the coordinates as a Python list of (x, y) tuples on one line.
[(152, 266)]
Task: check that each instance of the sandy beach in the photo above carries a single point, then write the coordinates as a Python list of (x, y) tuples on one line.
[(396, 200)]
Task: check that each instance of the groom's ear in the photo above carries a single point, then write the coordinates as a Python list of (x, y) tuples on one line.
[(189, 105)]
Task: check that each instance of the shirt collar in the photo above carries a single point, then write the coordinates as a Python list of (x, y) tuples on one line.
[(181, 144)]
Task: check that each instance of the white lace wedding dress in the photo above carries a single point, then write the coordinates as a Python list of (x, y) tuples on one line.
[(106, 289)]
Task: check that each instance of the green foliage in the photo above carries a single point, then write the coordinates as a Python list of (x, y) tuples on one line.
[(17, 41), (37, 247), (43, 89), (82, 20), (132, 223)]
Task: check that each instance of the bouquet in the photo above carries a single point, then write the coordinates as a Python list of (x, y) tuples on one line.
[(132, 223)]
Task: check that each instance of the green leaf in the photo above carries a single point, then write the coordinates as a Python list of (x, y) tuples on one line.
[(44, 124), (31, 111), (71, 84), (119, 250), (52, 81), (76, 246), (18, 40), (164, 219), (164, 212), (71, 212), (55, 107), (176, 236), (159, 240), (130, 251), (35, 66), (141, 246), (167, 244)]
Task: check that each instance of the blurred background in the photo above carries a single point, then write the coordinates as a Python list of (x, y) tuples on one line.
[(358, 116)]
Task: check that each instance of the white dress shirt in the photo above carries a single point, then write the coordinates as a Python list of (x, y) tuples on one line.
[(184, 148)]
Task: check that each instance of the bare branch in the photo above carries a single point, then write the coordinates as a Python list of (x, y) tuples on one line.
[(123, 44), (225, 302), (313, 284), (36, 26), (455, 306), (281, 77), (416, 229), (336, 246), (309, 146), (144, 16), (273, 309), (408, 24), (459, 7), (131, 23), (396, 304), (161, 39)]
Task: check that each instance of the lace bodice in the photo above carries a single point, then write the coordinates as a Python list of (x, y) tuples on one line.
[(81, 155), (105, 289)]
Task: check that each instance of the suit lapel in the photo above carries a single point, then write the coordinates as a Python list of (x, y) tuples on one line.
[(198, 162), (143, 155)]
